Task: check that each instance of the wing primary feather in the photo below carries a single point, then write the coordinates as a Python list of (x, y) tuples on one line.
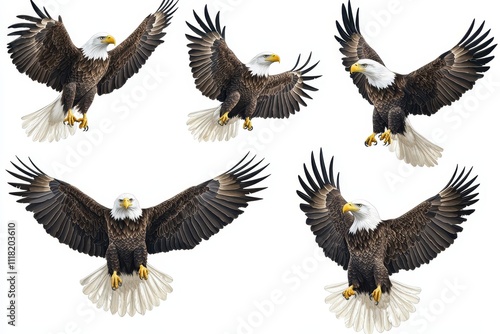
[(296, 63), (468, 32), (305, 64), (316, 172), (323, 167), (209, 20), (37, 10), (474, 35)]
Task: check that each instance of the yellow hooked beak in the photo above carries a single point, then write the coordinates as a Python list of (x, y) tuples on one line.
[(350, 207), (126, 203), (355, 68), (273, 58), (109, 40)]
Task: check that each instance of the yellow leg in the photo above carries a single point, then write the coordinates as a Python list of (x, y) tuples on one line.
[(116, 281), (70, 118), (376, 294), (349, 292), (371, 140), (84, 124), (248, 124), (143, 272), (224, 119), (386, 137)]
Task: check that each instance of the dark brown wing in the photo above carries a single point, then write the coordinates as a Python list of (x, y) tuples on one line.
[(445, 79), (354, 47), (64, 211), (212, 63), (129, 56), (324, 211), (201, 211), (422, 233), (283, 93), (43, 50)]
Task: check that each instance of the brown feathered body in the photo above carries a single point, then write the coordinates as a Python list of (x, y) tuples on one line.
[(127, 246)]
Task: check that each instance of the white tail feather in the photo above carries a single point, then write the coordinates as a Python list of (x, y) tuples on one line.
[(361, 313), (47, 123), (204, 125), (414, 149), (133, 296)]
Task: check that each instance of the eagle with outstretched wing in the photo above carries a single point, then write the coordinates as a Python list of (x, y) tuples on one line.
[(44, 51), (245, 90), (125, 234), (371, 248), (422, 92)]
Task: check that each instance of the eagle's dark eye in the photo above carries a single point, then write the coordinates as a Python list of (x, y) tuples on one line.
[(131, 200), (364, 65), (101, 37), (360, 205), (120, 200)]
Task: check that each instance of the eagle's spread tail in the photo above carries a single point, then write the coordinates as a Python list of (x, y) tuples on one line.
[(361, 312), (204, 125), (414, 149), (47, 124), (133, 296)]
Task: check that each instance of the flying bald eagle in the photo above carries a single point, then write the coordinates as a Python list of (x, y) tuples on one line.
[(245, 90), (371, 248), (45, 52), (127, 233), (422, 92)]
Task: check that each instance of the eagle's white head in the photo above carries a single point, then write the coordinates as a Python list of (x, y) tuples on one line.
[(96, 47), (259, 65), (377, 74), (366, 217), (126, 206)]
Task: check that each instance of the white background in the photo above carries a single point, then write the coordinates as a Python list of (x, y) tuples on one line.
[(263, 273)]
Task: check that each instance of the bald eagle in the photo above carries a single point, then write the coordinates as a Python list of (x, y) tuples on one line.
[(422, 92), (45, 52), (371, 248), (245, 90), (125, 234)]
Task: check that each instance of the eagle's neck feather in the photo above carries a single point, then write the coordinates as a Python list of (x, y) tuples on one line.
[(132, 213), (380, 77), (363, 220), (256, 69), (95, 52)]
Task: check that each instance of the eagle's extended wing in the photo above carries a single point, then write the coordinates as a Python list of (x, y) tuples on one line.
[(422, 233), (64, 211), (324, 211), (283, 92), (354, 47), (201, 211), (43, 50), (445, 79), (212, 62), (129, 56)]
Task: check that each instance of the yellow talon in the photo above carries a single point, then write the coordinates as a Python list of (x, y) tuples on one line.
[(116, 281), (386, 137), (224, 119), (376, 294), (248, 124), (84, 124), (349, 292), (371, 140), (143, 272), (70, 119)]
